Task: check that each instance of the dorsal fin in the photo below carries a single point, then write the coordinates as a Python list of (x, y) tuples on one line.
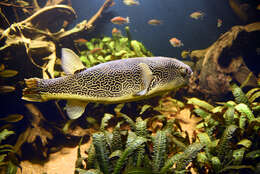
[(70, 62)]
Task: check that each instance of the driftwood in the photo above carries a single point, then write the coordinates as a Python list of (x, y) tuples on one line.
[(224, 61), (41, 35)]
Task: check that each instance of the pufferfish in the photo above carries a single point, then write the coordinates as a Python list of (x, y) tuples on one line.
[(116, 81)]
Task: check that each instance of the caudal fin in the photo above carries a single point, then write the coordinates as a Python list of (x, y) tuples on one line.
[(31, 92)]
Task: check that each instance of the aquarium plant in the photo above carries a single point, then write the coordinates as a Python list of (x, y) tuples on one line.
[(100, 50), (230, 133), (132, 147)]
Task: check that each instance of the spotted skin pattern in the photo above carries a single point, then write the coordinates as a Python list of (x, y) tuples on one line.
[(118, 78)]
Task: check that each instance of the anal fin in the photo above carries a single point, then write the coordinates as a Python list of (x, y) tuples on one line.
[(147, 77), (75, 108)]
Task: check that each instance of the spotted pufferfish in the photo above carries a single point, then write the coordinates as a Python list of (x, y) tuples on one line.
[(116, 81)]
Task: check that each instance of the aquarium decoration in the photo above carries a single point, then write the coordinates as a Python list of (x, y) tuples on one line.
[(219, 64)]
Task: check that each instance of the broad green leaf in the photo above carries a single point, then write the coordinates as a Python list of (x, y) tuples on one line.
[(116, 153), (91, 157), (245, 142), (2, 157), (234, 167), (188, 155), (217, 109), (243, 108), (229, 115), (12, 118), (138, 170), (4, 134), (204, 138), (105, 120), (141, 128), (159, 150), (202, 113), (254, 97), (200, 103), (116, 143), (202, 157), (238, 156), (251, 92), (102, 152), (91, 171), (216, 164), (134, 145), (239, 95), (145, 108), (253, 154), (224, 145), (118, 107), (8, 73)]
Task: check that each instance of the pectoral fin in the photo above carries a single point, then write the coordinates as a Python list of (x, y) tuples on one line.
[(147, 77), (70, 62), (75, 108)]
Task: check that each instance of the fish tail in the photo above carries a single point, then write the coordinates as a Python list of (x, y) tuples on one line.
[(127, 19), (32, 92)]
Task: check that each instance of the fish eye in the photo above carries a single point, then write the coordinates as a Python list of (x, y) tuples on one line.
[(184, 71)]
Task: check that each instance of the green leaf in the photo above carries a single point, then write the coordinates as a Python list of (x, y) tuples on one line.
[(169, 163), (145, 108), (253, 154), (234, 167), (245, 142), (116, 140), (254, 97), (2, 157), (91, 171), (12, 118), (138, 170), (159, 150), (229, 115), (217, 109), (200, 103), (4, 134), (202, 113), (102, 152), (224, 146), (216, 164), (128, 120), (141, 129), (202, 157), (91, 157), (116, 153), (8, 73), (243, 108), (128, 151), (204, 138), (105, 120), (11, 168), (239, 95), (188, 155), (251, 92), (238, 156)]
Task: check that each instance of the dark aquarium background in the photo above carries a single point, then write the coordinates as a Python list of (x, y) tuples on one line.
[(176, 22)]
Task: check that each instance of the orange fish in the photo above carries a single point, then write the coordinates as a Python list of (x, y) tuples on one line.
[(154, 22), (95, 50), (120, 20), (80, 41), (175, 42), (197, 15), (115, 31), (219, 23)]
